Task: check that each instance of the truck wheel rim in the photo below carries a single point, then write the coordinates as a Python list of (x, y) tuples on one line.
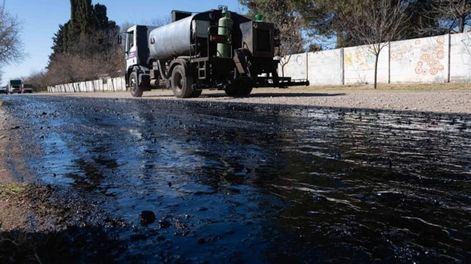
[(133, 84), (178, 81)]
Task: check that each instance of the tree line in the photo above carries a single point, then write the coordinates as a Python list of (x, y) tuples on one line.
[(320, 19), (84, 48)]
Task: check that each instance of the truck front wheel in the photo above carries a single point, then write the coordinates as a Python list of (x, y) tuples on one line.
[(182, 84), (136, 90)]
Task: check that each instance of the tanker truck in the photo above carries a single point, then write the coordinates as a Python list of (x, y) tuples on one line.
[(217, 49)]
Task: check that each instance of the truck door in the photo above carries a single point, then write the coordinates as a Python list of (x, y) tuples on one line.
[(131, 48)]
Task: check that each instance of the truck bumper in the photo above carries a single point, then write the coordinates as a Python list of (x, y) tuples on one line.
[(281, 82)]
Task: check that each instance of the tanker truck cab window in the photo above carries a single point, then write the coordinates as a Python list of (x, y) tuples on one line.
[(131, 50), (130, 41)]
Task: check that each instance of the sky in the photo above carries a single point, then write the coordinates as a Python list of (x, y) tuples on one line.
[(40, 20)]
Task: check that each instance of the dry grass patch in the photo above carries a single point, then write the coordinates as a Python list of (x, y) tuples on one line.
[(386, 87), (13, 189)]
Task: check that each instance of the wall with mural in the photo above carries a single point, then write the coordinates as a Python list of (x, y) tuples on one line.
[(360, 65), (427, 60), (420, 60)]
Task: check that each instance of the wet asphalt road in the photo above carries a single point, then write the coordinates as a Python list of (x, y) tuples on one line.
[(258, 184)]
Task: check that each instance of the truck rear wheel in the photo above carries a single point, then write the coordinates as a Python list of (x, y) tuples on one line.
[(182, 84), (136, 91), (239, 89)]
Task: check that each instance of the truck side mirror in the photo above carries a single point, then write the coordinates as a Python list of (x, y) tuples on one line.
[(120, 40)]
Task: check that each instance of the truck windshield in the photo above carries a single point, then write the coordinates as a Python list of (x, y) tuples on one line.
[(15, 83)]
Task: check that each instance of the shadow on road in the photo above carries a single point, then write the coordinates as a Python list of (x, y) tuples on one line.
[(74, 245), (259, 95)]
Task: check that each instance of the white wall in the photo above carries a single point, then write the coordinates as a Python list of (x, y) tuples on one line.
[(296, 66), (103, 85), (460, 58), (325, 67)]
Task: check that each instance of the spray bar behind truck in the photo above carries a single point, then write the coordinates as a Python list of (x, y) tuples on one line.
[(217, 49)]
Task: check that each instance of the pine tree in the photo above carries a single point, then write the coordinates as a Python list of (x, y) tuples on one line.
[(89, 31), (85, 46)]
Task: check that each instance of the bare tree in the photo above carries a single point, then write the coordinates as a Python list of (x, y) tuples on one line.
[(10, 44), (291, 41), (454, 14), (284, 16), (375, 23), (38, 81)]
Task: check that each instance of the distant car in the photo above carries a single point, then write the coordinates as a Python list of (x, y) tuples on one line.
[(3, 90)]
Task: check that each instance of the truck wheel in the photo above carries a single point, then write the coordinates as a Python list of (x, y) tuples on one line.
[(239, 89), (136, 91), (182, 85)]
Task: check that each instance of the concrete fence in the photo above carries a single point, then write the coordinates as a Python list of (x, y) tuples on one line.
[(102, 85), (440, 59)]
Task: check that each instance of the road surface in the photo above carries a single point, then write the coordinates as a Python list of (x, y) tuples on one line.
[(233, 183)]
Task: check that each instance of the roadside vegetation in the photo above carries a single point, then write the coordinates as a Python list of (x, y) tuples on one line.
[(84, 48), (10, 44)]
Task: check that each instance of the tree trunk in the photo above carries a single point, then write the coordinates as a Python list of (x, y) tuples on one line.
[(376, 70), (462, 24)]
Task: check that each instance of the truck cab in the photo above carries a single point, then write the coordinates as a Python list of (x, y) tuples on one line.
[(136, 56), (15, 86)]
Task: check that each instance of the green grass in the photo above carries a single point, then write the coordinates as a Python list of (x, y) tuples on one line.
[(12, 189)]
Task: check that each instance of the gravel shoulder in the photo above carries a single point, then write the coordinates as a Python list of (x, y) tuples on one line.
[(24, 204), (443, 98), (5, 176)]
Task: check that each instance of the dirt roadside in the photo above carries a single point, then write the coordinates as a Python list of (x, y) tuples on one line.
[(13, 212), (24, 204), (14, 207), (4, 175), (442, 98)]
